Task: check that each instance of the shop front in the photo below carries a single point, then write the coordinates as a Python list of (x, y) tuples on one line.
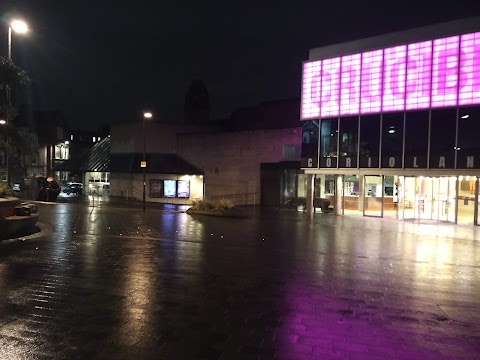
[(433, 198)]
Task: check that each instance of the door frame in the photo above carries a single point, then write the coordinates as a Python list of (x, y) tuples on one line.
[(365, 195)]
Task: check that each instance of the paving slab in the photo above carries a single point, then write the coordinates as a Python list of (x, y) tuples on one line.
[(113, 282)]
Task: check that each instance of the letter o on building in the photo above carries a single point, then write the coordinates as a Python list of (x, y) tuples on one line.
[(329, 162), (391, 162)]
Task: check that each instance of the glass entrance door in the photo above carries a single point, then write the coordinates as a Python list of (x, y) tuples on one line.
[(467, 200), (477, 201), (429, 198), (444, 190), (373, 195)]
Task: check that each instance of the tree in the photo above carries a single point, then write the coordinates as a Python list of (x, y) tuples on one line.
[(14, 142), (11, 78)]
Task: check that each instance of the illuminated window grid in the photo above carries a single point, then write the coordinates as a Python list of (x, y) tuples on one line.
[(329, 103), (371, 87), (449, 46), (419, 75), (311, 90), (394, 83), (350, 84), (470, 60)]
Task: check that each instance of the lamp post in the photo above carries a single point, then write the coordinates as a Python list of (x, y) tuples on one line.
[(4, 122), (146, 115), (20, 27)]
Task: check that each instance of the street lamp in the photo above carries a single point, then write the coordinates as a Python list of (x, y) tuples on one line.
[(3, 122), (146, 115), (20, 27)]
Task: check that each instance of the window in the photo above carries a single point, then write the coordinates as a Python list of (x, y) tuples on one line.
[(328, 143), (468, 146), (416, 139), (442, 138), (392, 140), (309, 152), (369, 141), (35, 158), (4, 176), (348, 141), (58, 152)]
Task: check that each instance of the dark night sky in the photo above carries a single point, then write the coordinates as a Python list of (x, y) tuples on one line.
[(104, 61)]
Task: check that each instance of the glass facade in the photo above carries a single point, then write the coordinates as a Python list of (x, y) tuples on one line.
[(348, 140), (416, 139), (468, 144), (392, 140), (443, 125), (369, 147), (328, 143), (411, 141), (309, 152), (436, 139)]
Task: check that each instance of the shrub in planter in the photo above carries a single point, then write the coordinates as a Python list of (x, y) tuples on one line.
[(5, 190), (212, 205)]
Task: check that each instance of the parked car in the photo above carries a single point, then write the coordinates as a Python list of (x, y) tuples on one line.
[(73, 188)]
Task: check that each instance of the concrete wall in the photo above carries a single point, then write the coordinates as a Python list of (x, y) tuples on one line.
[(159, 138), (231, 160), (130, 186)]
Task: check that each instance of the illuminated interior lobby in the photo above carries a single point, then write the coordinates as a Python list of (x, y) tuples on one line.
[(391, 125)]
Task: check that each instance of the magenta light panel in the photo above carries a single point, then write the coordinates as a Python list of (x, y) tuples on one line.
[(419, 75), (350, 84), (371, 82), (330, 91), (469, 77), (429, 74)]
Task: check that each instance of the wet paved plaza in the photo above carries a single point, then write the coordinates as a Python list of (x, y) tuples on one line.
[(112, 282)]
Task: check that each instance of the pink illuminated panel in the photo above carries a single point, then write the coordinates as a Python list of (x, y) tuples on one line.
[(350, 85), (329, 101), (419, 75), (429, 74), (469, 87), (445, 72), (311, 90), (371, 83), (395, 63)]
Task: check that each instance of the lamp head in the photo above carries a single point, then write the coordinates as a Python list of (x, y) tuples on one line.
[(19, 26)]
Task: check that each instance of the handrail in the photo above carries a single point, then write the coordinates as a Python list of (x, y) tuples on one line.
[(238, 199), (131, 191)]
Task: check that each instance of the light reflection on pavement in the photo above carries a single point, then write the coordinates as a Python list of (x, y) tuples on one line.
[(113, 282)]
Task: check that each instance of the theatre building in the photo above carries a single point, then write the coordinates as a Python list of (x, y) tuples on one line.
[(391, 124)]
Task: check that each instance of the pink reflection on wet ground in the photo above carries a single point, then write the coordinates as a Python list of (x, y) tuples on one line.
[(114, 282)]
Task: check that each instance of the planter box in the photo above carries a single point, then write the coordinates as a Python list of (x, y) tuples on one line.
[(7, 206), (13, 225), (16, 218), (220, 213)]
